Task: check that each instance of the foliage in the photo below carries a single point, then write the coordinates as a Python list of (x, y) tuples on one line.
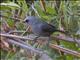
[(66, 17)]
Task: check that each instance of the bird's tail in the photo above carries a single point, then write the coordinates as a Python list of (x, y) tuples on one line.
[(64, 32)]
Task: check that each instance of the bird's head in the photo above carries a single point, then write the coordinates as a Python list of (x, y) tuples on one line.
[(31, 20)]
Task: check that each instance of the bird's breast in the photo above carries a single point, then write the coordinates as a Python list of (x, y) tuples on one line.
[(37, 30)]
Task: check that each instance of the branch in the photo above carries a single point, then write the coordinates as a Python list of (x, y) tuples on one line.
[(32, 37), (14, 36), (65, 50), (24, 46), (40, 53), (69, 39)]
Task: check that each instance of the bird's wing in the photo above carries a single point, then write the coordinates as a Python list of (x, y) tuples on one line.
[(48, 28)]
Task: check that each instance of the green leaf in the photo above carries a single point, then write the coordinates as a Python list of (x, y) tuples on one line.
[(20, 26), (10, 4), (10, 22), (51, 10)]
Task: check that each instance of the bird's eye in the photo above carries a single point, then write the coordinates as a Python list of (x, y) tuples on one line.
[(27, 20)]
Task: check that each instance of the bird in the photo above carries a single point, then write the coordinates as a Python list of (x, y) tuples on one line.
[(40, 27)]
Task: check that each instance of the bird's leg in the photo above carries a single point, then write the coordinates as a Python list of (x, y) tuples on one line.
[(48, 41), (47, 44), (35, 39)]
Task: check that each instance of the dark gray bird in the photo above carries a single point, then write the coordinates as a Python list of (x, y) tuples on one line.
[(40, 27)]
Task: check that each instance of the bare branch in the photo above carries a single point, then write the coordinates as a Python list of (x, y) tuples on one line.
[(24, 46), (65, 50), (14, 36), (69, 39)]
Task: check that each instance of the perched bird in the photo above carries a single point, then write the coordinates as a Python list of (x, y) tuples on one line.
[(40, 27)]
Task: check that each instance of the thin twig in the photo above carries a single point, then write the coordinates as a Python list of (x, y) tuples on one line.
[(25, 31), (32, 6), (16, 32)]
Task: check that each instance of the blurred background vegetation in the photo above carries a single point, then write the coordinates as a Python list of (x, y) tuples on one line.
[(64, 14)]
